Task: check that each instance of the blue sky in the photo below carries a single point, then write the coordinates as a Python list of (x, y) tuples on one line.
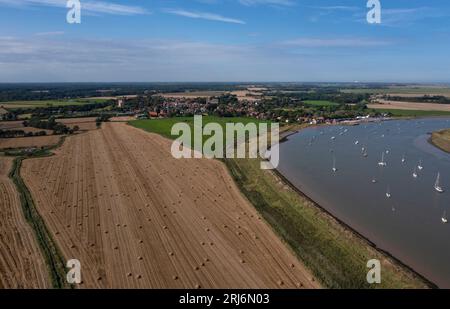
[(225, 40)]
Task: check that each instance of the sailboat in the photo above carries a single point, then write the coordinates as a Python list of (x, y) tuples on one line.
[(420, 166), (444, 217), (382, 162), (437, 185), (415, 175), (334, 169), (388, 193)]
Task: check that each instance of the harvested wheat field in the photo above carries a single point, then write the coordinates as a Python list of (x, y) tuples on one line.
[(122, 118), (29, 142), (410, 106), (115, 199), (85, 124), (6, 125), (21, 262)]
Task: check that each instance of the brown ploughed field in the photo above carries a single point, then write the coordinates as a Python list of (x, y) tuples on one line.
[(7, 125), (21, 262), (410, 106), (28, 142), (85, 124), (135, 217)]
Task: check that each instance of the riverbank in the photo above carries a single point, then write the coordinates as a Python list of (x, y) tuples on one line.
[(335, 253), (441, 139)]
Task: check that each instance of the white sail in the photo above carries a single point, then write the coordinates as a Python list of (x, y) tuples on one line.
[(382, 162), (420, 166), (437, 184), (334, 169)]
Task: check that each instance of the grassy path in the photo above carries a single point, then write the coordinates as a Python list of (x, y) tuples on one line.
[(53, 257)]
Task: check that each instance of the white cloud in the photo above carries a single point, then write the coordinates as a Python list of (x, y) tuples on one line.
[(268, 2), (335, 42), (204, 15), (50, 33), (92, 6)]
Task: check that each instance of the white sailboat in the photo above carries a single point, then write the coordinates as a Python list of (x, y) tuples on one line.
[(420, 166), (444, 217), (415, 175), (388, 193), (437, 185), (334, 169), (382, 162)]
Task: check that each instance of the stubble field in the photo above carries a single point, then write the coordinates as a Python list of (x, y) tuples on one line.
[(135, 217)]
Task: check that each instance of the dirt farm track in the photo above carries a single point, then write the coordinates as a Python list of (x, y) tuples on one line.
[(116, 200)]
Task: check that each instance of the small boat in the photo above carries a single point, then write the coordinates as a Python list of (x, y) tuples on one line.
[(382, 162), (356, 142), (388, 193), (444, 218), (420, 166), (415, 175), (437, 185), (374, 180), (333, 138), (403, 159), (387, 151), (334, 169)]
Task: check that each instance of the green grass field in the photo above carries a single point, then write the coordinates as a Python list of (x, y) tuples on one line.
[(320, 103), (164, 126), (413, 113), (335, 255), (49, 103)]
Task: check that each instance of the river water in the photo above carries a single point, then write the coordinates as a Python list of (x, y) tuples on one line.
[(409, 223)]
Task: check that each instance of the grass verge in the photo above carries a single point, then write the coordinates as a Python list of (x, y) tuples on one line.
[(54, 259), (412, 113)]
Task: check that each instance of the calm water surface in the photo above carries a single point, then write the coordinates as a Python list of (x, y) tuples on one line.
[(409, 223)]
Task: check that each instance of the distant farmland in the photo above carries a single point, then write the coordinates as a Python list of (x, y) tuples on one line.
[(48, 103), (412, 113), (402, 91), (320, 103)]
